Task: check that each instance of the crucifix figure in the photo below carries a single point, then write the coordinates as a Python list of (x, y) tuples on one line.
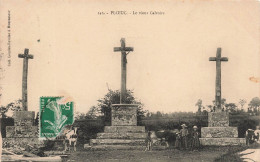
[(218, 60), (123, 49), (25, 57)]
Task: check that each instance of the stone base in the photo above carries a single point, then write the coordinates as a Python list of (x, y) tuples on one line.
[(133, 129), (21, 131), (222, 141), (121, 136), (113, 147), (218, 119), (219, 132), (124, 132), (131, 142), (124, 135), (124, 114), (22, 142), (23, 118)]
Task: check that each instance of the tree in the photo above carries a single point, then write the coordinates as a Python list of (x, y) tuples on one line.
[(79, 115), (158, 114), (254, 104), (113, 97), (231, 107), (242, 102), (147, 114), (13, 106), (199, 104), (93, 112)]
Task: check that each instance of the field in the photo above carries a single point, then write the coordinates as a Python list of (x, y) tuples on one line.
[(206, 154)]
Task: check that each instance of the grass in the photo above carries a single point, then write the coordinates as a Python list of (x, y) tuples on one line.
[(227, 153), (233, 154)]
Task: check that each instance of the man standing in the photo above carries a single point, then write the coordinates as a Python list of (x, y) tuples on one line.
[(184, 136)]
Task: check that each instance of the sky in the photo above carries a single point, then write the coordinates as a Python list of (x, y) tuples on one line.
[(169, 69)]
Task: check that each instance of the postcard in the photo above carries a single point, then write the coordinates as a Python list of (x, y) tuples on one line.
[(110, 80)]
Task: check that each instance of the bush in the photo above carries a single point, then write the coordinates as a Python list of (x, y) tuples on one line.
[(88, 129)]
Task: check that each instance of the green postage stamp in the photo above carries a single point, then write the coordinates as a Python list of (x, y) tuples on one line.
[(55, 113)]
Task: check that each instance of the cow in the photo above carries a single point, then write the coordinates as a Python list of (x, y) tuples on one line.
[(251, 136), (68, 136), (71, 137)]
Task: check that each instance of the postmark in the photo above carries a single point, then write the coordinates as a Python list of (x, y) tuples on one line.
[(55, 113)]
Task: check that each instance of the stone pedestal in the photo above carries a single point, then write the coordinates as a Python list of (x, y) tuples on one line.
[(123, 132), (123, 114), (219, 133), (23, 132), (218, 119)]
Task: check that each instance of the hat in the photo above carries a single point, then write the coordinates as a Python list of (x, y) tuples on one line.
[(195, 127), (183, 125)]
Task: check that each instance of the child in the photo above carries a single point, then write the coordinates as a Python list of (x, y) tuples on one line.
[(178, 141), (148, 141), (195, 142)]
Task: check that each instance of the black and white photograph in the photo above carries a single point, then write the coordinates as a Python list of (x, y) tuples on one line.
[(130, 80)]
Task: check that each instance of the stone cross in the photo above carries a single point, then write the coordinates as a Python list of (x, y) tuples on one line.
[(218, 60), (123, 49), (25, 57)]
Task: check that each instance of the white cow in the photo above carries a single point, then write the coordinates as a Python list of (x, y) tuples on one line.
[(256, 137), (71, 136), (252, 136)]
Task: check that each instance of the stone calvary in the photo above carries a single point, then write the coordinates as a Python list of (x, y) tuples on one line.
[(123, 132), (218, 131), (24, 131)]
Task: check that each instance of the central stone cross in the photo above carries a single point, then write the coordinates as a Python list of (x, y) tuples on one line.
[(218, 60), (123, 50), (25, 57)]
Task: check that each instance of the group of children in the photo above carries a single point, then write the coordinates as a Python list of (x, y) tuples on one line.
[(184, 139)]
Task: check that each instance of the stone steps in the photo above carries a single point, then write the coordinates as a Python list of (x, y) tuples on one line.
[(219, 132), (222, 141), (113, 147), (124, 135), (131, 142), (120, 147), (122, 129)]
